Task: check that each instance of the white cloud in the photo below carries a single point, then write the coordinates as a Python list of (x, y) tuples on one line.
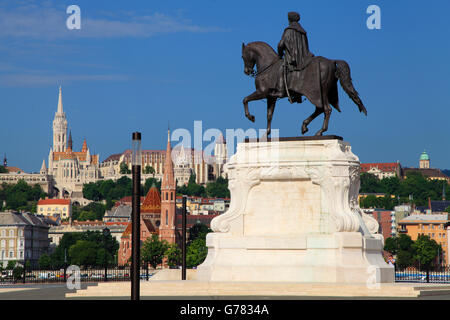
[(44, 22)]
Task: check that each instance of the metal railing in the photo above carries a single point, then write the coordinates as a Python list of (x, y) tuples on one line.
[(62, 275), (439, 274)]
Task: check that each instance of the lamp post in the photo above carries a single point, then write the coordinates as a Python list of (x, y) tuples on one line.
[(135, 216), (183, 243), (106, 233)]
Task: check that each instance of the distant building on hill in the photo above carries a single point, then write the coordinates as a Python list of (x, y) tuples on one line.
[(382, 170), (55, 207), (426, 170)]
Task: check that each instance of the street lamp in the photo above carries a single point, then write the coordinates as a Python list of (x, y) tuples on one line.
[(183, 243), (136, 159), (106, 233)]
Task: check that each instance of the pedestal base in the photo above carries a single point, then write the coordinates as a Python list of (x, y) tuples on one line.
[(294, 216), (345, 257)]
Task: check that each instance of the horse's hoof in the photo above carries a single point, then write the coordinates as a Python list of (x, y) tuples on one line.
[(318, 134), (304, 130), (251, 118)]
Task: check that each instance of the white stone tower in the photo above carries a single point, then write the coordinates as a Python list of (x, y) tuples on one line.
[(60, 127), (220, 155)]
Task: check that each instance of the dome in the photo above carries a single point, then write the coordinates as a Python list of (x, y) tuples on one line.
[(424, 156)]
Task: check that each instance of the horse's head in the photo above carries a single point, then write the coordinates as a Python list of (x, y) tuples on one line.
[(249, 60)]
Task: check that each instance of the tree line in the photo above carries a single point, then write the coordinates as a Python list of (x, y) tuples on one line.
[(20, 196), (154, 251), (84, 249), (91, 249), (415, 188), (424, 253)]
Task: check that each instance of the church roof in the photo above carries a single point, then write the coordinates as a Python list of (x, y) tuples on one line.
[(385, 167), (14, 170), (54, 202), (424, 156), (427, 172), (146, 225), (152, 202)]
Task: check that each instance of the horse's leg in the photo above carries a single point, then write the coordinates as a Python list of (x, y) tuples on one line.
[(327, 113), (307, 121), (271, 101), (257, 95)]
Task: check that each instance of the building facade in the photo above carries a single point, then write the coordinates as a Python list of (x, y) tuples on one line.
[(55, 207), (23, 237), (382, 170), (432, 225)]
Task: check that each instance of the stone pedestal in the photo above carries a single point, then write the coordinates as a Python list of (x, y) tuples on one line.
[(294, 216)]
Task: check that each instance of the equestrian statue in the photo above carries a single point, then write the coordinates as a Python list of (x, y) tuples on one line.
[(294, 72)]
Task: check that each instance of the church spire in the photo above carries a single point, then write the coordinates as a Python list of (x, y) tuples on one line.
[(168, 198), (84, 148), (70, 142), (60, 105), (43, 167)]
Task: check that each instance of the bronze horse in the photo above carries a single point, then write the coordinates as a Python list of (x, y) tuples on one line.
[(318, 85)]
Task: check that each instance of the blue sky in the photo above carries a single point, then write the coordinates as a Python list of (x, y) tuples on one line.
[(139, 65)]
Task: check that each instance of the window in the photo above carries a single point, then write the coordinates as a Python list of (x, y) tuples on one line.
[(167, 218), (171, 196), (11, 233)]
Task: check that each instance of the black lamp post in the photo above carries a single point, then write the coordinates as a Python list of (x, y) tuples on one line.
[(106, 233), (135, 216), (183, 241)]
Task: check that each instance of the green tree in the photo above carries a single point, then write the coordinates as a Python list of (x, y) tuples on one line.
[(91, 191), (198, 230), (403, 248), (18, 272), (3, 169), (153, 251), (196, 252), (391, 245), (11, 265), (83, 253), (149, 170), (426, 252), (369, 183), (173, 255), (218, 188), (124, 168), (45, 262)]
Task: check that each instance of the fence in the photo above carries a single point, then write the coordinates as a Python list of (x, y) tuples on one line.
[(61, 275), (440, 274)]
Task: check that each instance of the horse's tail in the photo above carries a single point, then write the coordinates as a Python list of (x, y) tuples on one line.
[(343, 74)]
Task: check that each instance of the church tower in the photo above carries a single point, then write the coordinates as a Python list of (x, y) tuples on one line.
[(168, 198), (424, 161), (59, 127), (220, 155)]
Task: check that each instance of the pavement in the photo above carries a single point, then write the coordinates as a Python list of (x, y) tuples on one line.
[(58, 292)]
